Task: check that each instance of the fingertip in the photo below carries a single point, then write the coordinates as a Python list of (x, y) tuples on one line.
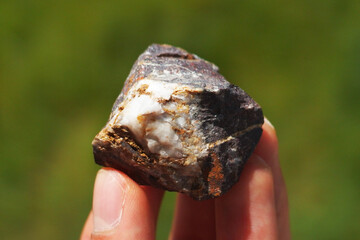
[(110, 191), (122, 209)]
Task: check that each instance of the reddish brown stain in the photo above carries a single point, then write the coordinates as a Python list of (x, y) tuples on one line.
[(215, 177), (142, 89), (141, 119)]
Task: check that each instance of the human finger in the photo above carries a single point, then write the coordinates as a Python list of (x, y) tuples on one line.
[(122, 209), (247, 211), (267, 149)]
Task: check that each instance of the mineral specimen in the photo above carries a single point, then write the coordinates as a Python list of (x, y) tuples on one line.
[(179, 125)]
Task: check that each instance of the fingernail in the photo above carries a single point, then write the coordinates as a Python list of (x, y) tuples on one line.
[(109, 199), (269, 123)]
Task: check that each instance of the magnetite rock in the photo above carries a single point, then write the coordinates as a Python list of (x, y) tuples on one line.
[(179, 125)]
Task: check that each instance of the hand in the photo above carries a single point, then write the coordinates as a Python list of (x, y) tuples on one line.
[(255, 208)]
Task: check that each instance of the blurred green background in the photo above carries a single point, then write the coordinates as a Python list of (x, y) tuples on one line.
[(63, 63)]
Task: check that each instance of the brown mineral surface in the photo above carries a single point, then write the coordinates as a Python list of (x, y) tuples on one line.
[(179, 125)]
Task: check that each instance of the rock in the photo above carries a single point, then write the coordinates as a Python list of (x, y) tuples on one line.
[(179, 125)]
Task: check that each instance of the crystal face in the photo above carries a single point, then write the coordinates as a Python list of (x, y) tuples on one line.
[(179, 125)]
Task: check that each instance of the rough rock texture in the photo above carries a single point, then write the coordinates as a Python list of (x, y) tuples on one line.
[(179, 125)]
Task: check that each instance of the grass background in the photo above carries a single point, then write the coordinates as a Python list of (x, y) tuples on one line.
[(62, 64)]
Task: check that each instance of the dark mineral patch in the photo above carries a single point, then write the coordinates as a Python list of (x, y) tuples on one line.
[(179, 125)]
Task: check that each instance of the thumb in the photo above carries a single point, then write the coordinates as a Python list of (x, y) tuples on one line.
[(122, 209)]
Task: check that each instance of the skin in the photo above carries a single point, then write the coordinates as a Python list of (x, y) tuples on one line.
[(255, 208)]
